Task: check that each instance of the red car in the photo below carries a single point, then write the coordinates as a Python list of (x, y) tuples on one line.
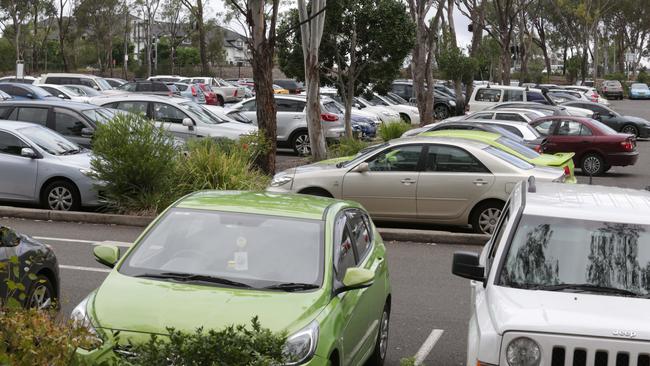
[(597, 147), (210, 96)]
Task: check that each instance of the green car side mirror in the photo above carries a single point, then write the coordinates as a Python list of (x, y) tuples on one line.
[(355, 279), (107, 255)]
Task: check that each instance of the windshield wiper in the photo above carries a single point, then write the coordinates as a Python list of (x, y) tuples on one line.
[(585, 287), (189, 277), (292, 286)]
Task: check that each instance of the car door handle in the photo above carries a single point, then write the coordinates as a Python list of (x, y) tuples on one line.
[(297, 117), (480, 182), (408, 181)]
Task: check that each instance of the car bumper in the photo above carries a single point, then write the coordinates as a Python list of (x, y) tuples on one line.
[(613, 94), (89, 192), (644, 132), (334, 133), (623, 159)]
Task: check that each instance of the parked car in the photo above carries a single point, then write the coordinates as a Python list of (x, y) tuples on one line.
[(484, 97), (37, 270), (577, 94), (14, 79), (420, 179), (444, 105), (546, 109), (407, 113), (385, 114), (192, 92), (91, 81), (183, 118), (596, 146), (562, 280), (590, 92), (64, 92), (292, 125), (288, 84), (503, 114), (210, 95), (226, 93), (277, 89), (77, 122), (25, 91), (165, 78), (558, 160), (85, 91), (612, 88), (636, 126), (149, 87), (313, 268), (44, 167), (639, 91), (115, 82), (560, 97)]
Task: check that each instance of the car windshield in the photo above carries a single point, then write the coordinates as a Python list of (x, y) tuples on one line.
[(396, 98), (639, 86), (366, 101), (218, 117), (40, 92), (239, 117), (200, 113), (103, 84), (519, 148), (549, 251), (50, 141), (334, 107), (362, 154), (381, 101), (253, 249), (99, 115), (508, 158), (71, 91)]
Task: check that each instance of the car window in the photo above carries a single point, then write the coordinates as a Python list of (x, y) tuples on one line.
[(517, 147), (10, 144), (4, 111), (513, 95), (451, 159), (510, 117), (499, 231), (19, 92), (545, 128), (512, 129), (54, 92), (509, 158), (483, 116), (130, 87), (343, 248), (533, 96), (67, 123), (359, 226), (288, 105), (160, 87), (249, 106), (572, 128), (133, 107), (28, 114), (143, 87), (452, 127), (87, 82), (488, 95), (168, 113), (396, 159)]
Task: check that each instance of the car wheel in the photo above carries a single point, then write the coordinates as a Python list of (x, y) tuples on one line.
[(405, 118), (631, 130), (441, 112), (485, 217), (593, 164), (300, 143), (41, 294), (378, 356), (61, 195)]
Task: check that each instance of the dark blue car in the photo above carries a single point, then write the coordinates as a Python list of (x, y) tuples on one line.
[(25, 91), (365, 126)]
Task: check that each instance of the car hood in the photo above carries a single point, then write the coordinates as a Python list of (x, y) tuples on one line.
[(567, 312), (243, 128), (638, 120), (81, 160), (151, 306)]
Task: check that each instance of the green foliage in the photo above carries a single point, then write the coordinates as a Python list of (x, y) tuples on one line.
[(455, 65), (234, 345), (392, 130), (346, 147), (137, 160), (643, 77), (572, 67)]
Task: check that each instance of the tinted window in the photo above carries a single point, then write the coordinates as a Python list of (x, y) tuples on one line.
[(130, 87), (19, 92), (288, 105), (160, 87), (488, 95), (532, 96), (510, 117), (512, 129), (4, 111), (133, 107), (343, 248), (28, 114), (87, 82), (67, 122), (143, 87), (519, 148), (396, 159), (572, 128), (10, 144), (359, 225), (168, 113), (510, 95), (483, 116), (442, 158), (54, 92), (53, 80), (181, 87)]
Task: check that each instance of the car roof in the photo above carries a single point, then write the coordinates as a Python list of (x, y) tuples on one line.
[(140, 97), (423, 138), (50, 103), (469, 134), (15, 125), (588, 202), (71, 75), (264, 203)]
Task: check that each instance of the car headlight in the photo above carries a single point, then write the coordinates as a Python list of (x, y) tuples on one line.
[(452, 103), (280, 180), (300, 347), (523, 351), (80, 318)]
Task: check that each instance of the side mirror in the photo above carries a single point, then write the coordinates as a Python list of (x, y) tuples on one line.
[(361, 168), (355, 279), (62, 96), (188, 123), (87, 132), (107, 255), (95, 87), (466, 265), (357, 105), (28, 152)]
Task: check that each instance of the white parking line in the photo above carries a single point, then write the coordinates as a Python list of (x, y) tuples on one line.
[(428, 345), (66, 240), (88, 269)]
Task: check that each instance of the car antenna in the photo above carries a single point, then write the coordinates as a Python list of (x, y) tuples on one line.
[(532, 188)]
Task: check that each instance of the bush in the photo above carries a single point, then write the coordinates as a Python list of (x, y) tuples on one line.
[(137, 161), (392, 130), (346, 147), (643, 77), (234, 345)]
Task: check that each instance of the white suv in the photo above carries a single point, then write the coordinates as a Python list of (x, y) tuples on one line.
[(487, 96), (564, 280)]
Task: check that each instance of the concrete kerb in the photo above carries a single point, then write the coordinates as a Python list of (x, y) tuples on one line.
[(421, 236)]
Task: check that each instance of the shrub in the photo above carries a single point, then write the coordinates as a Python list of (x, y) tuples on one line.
[(137, 160), (346, 147), (234, 345), (392, 130)]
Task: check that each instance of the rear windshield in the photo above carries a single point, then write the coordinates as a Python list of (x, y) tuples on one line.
[(603, 127), (519, 148), (508, 158)]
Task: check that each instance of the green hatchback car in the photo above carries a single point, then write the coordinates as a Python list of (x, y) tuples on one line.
[(559, 160), (312, 267)]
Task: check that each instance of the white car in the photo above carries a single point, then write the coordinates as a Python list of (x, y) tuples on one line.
[(385, 114), (564, 279), (166, 78), (487, 96), (521, 130), (96, 82), (590, 92), (407, 113), (183, 118), (64, 92), (14, 79)]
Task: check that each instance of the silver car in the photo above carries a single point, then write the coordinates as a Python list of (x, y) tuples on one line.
[(40, 166), (421, 179)]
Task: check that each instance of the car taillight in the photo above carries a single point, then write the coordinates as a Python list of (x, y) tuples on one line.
[(604, 88), (329, 117), (567, 171), (628, 145), (235, 95), (193, 91), (538, 148)]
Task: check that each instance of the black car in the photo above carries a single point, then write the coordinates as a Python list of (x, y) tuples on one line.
[(444, 105), (76, 121), (291, 85), (150, 87), (636, 126), (25, 261)]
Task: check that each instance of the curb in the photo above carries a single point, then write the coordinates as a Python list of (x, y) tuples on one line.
[(388, 234)]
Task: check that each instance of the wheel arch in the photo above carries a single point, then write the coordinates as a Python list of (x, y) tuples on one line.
[(49, 274), (482, 202), (53, 179), (314, 190)]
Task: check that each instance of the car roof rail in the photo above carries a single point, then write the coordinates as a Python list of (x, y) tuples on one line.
[(532, 188)]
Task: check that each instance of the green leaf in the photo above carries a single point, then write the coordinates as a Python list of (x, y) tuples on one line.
[(13, 259), (12, 303), (22, 296), (32, 277)]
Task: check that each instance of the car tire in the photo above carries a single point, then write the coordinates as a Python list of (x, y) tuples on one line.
[(318, 192), (441, 111), (220, 101), (485, 217), (61, 195), (405, 118), (41, 294), (300, 143), (592, 164), (630, 129), (378, 356)]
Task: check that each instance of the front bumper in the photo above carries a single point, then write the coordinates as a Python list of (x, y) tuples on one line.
[(623, 159), (88, 190), (644, 131), (334, 133)]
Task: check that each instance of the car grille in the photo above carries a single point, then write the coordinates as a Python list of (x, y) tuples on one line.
[(563, 350)]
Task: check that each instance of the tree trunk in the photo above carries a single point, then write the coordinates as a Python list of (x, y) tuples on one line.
[(423, 53), (147, 46), (523, 49), (477, 37), (205, 68), (594, 74), (505, 61)]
